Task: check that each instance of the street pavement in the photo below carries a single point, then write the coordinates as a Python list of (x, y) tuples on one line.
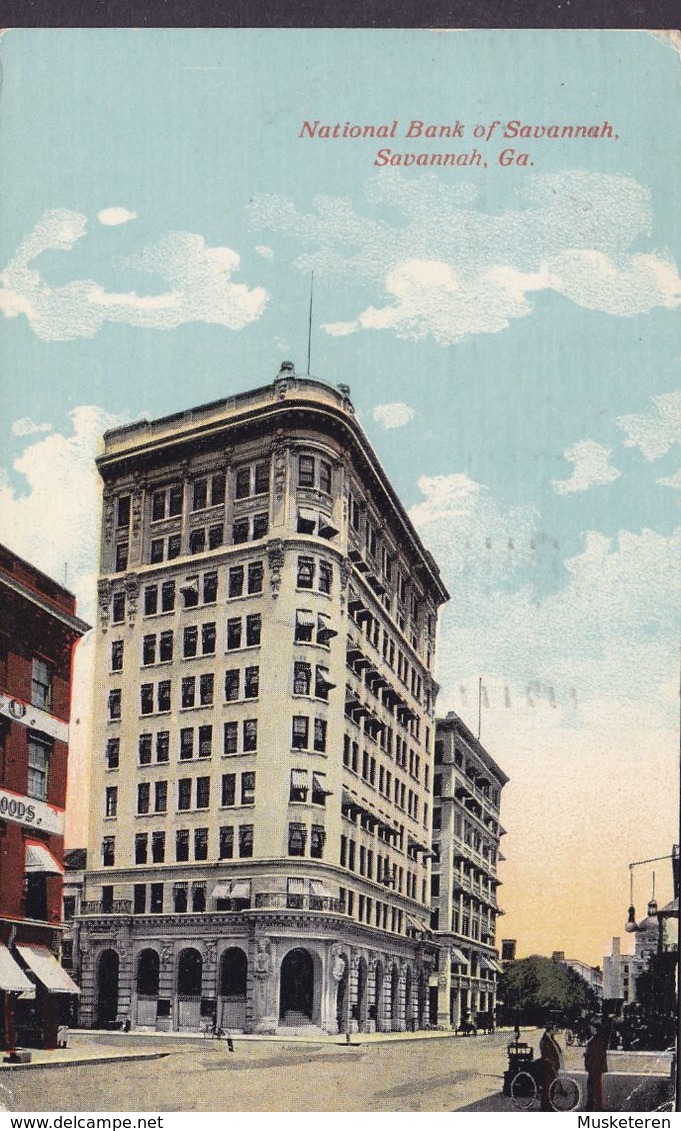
[(159, 1073)]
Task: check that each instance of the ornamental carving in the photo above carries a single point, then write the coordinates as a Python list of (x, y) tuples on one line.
[(275, 561), (137, 497), (104, 602), (262, 967), (280, 450), (108, 497), (184, 470), (211, 952), (166, 955), (132, 588), (337, 963)]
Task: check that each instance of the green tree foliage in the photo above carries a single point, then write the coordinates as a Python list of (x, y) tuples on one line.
[(535, 989)]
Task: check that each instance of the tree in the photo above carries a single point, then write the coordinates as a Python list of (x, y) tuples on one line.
[(534, 989)]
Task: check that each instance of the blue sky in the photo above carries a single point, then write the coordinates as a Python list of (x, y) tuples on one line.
[(510, 336)]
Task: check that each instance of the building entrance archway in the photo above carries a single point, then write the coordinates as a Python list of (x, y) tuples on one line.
[(107, 988), (233, 984), (296, 992)]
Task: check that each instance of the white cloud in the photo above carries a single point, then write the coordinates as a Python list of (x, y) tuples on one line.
[(198, 277), (393, 415), (28, 427), (340, 329), (450, 269), (53, 521), (672, 481), (111, 217), (265, 251), (656, 432), (591, 468)]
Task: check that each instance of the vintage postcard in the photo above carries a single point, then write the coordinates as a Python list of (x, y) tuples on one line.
[(339, 576)]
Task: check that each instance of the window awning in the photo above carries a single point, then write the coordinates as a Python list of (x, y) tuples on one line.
[(458, 956), (326, 527), (319, 784), (308, 516), (222, 890), (40, 859), (241, 889), (296, 886), (419, 924), (299, 779), (490, 964), (318, 888), (47, 970), (12, 978), (305, 618)]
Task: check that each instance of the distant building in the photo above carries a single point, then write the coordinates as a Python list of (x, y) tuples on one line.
[(260, 821), (38, 629), (466, 836), (620, 972), (592, 975), (508, 950), (74, 877)]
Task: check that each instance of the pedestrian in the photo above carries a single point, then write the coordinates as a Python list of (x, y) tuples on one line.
[(550, 1054), (596, 1064)]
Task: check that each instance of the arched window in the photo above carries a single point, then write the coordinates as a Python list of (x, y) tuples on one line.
[(189, 973), (147, 973), (233, 973)]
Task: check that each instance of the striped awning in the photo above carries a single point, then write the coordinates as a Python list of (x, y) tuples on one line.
[(241, 889), (299, 779), (47, 970), (458, 956), (296, 886), (305, 618), (12, 978)]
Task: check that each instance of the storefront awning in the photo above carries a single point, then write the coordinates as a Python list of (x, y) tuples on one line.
[(458, 956), (12, 978), (319, 888), (296, 886), (222, 890), (47, 970), (40, 859), (241, 889)]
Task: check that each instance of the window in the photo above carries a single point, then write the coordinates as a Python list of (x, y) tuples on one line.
[(200, 844), (252, 480), (208, 639), (174, 546), (150, 599), (143, 795), (240, 531), (325, 576), (190, 591), (214, 537), (236, 581), (199, 494), (262, 478), (320, 735), (260, 525), (123, 511), (115, 703), (242, 487), (69, 911), (113, 751), (306, 471), (158, 506), (184, 793), (232, 679), (141, 843), (226, 842), (304, 626), (319, 790), (302, 677), (111, 801), (167, 596), (144, 749), (108, 851), (210, 587), (160, 796), (202, 793), (156, 901), (299, 732), (206, 684), (190, 641), (182, 845), (139, 902), (325, 476), (297, 839), (158, 847), (197, 540), (205, 741), (325, 632), (164, 695), (229, 789), (149, 649), (322, 687), (186, 744), (253, 629), (248, 788), (255, 577), (317, 838), (116, 660), (118, 608), (188, 691), (231, 733), (165, 650), (163, 746), (298, 787), (250, 728), (305, 578), (251, 682), (245, 840), (233, 633), (156, 550)]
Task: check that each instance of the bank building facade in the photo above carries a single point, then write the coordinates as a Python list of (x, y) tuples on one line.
[(260, 826)]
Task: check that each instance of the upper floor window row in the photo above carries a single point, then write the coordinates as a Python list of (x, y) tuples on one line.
[(208, 492), (252, 479), (315, 472), (166, 502)]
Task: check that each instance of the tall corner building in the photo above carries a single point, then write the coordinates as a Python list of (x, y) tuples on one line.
[(259, 844), (467, 832)]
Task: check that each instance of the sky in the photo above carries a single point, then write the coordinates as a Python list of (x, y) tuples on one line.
[(508, 324)]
